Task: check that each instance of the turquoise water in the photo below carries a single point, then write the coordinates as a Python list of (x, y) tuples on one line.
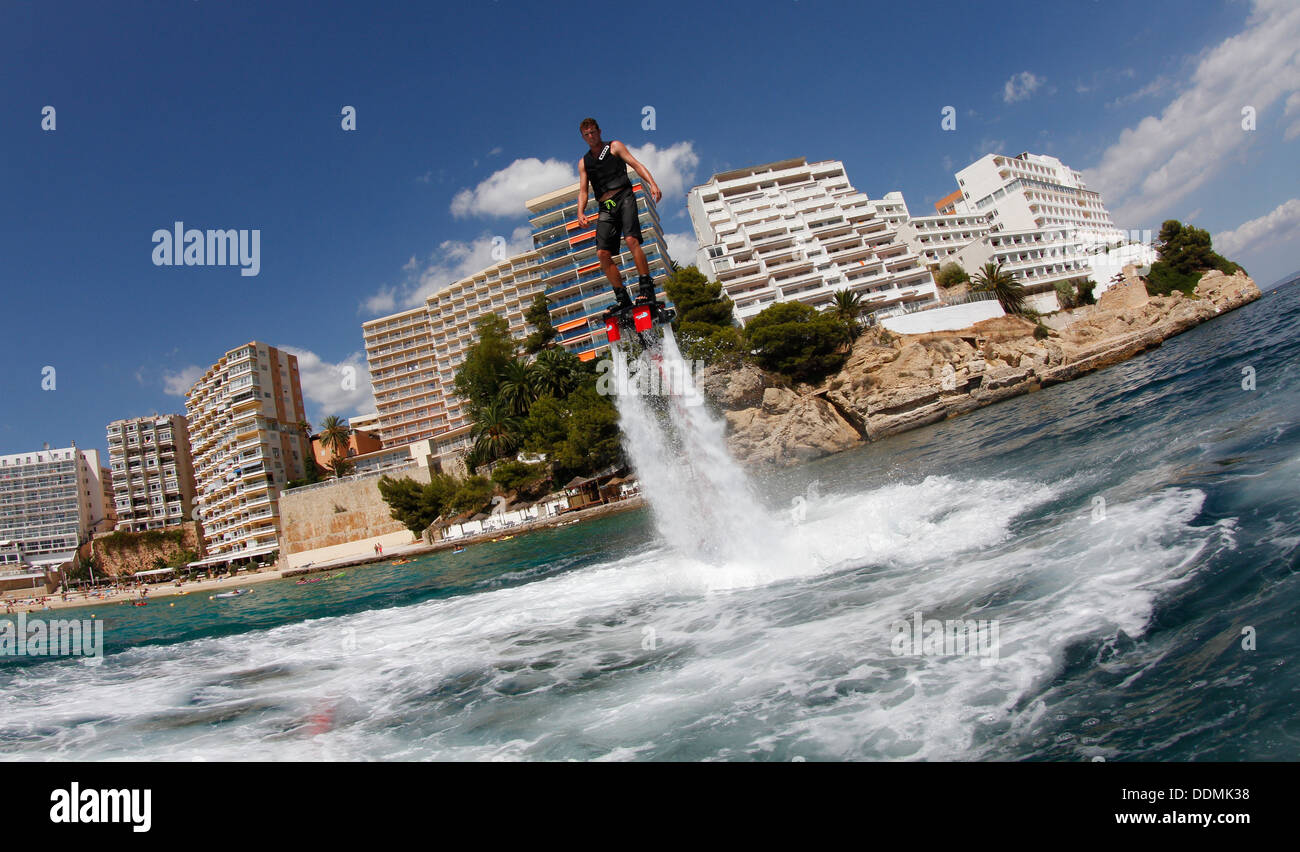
[(277, 602), (1122, 530)]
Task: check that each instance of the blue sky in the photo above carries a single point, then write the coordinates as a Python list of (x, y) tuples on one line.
[(228, 115)]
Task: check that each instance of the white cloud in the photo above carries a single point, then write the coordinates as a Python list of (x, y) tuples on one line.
[(1021, 86), (382, 302), (327, 388), (681, 247), (1292, 108), (1155, 87), (453, 260), (505, 191), (673, 167), (178, 382), (1282, 223), (1163, 159), (988, 146)]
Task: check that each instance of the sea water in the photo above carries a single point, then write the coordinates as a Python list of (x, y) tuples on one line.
[(1134, 535)]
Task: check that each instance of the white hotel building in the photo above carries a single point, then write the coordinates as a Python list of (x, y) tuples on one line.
[(937, 237), (1033, 215), (50, 502), (1031, 191), (798, 231)]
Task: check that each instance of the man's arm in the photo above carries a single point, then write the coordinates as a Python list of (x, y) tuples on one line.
[(626, 156), (583, 218)]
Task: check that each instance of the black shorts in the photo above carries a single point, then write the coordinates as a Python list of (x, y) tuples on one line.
[(622, 220)]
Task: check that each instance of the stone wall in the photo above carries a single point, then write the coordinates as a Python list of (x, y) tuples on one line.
[(341, 518), (949, 318), (125, 561)]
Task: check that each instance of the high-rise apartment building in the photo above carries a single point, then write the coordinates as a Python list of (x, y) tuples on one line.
[(368, 422), (399, 352), (935, 238), (505, 289), (1034, 216), (248, 438), (413, 355), (1032, 191), (575, 286), (50, 502), (798, 231), (152, 472)]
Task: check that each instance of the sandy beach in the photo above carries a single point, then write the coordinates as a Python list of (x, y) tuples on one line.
[(160, 590), (53, 601)]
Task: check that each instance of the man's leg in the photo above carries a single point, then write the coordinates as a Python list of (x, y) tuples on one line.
[(646, 288), (634, 246), (614, 277)]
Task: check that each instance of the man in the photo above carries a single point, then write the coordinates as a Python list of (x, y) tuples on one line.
[(605, 168)]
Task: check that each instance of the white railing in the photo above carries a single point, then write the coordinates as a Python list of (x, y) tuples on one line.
[(350, 478)]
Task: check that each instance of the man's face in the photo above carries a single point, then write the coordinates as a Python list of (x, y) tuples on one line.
[(592, 135)]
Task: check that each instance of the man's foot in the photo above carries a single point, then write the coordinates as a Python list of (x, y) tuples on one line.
[(646, 291), (621, 298)]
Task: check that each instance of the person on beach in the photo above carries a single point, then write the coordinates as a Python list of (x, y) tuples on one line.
[(605, 168)]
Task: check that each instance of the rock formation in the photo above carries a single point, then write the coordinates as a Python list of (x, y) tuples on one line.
[(893, 383)]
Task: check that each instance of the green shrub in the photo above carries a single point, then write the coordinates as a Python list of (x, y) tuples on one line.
[(797, 340), (1163, 279), (950, 275), (472, 495), (513, 475), (1065, 295)]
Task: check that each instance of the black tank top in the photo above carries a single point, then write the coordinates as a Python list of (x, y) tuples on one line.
[(606, 171)]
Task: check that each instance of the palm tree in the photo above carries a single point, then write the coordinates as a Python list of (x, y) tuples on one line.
[(496, 431), (518, 386), (334, 435), (557, 372), (991, 279), (848, 305), (341, 467)]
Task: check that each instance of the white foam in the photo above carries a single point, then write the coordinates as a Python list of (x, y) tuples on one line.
[(661, 654)]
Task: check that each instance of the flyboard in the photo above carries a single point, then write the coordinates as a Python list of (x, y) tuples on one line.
[(636, 331), (637, 321)]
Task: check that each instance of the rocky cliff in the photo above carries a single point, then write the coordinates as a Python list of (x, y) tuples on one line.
[(892, 383), (124, 554)]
